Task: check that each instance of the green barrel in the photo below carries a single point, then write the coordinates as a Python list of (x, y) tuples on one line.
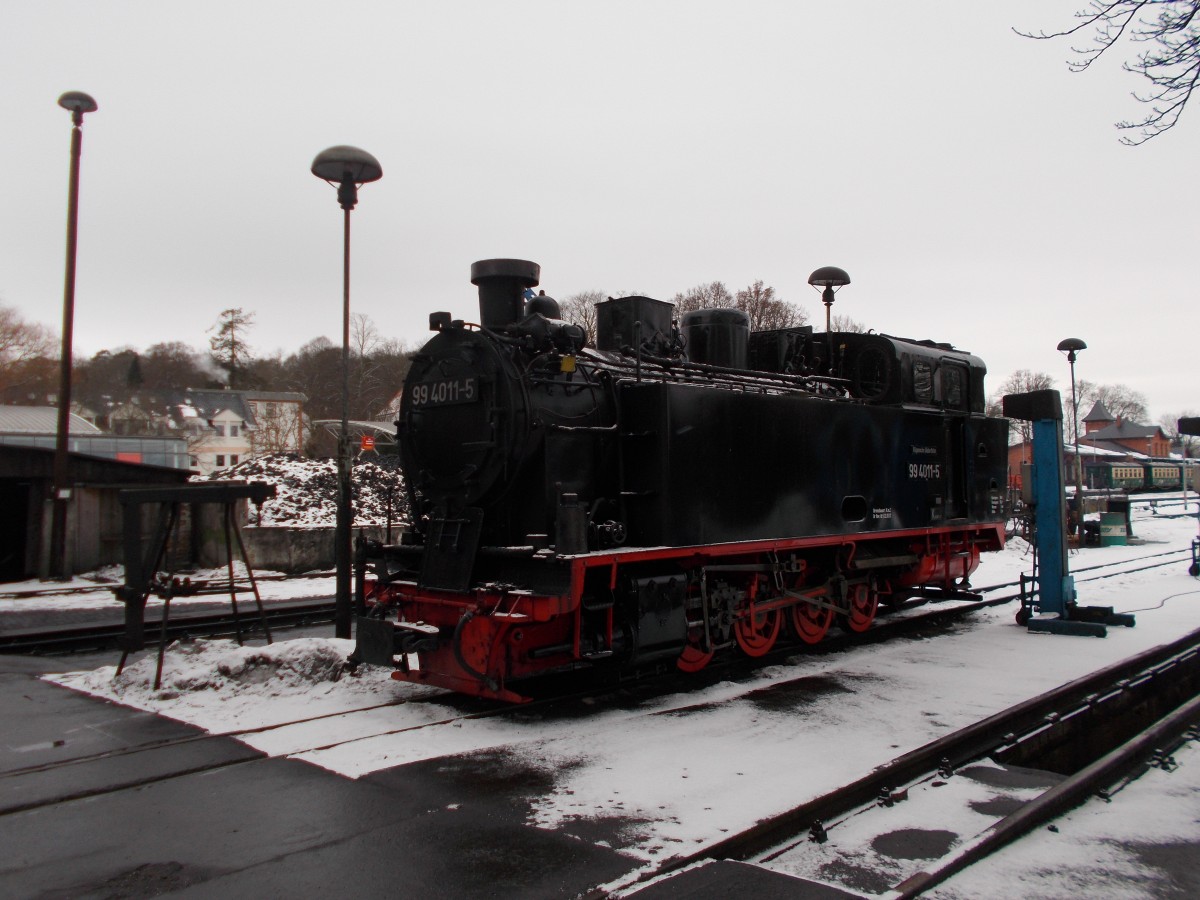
[(1112, 529)]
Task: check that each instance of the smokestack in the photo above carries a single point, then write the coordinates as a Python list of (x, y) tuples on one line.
[(502, 284)]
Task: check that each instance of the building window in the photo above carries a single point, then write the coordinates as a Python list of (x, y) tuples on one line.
[(220, 460), (220, 430), (233, 458), (272, 410), (233, 432)]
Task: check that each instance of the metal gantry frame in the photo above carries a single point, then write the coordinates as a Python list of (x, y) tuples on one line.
[(144, 556)]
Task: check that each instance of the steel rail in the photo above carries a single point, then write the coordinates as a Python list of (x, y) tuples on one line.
[(33, 593), (958, 748), (1061, 798), (73, 639)]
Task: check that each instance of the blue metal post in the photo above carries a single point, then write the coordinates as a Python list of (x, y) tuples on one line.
[(1056, 587)]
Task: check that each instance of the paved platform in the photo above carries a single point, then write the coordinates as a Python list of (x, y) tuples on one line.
[(212, 818)]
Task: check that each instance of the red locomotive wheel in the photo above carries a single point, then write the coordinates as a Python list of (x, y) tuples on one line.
[(863, 604), (693, 659), (756, 633), (811, 622)]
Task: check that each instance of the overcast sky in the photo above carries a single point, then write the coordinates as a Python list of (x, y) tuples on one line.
[(974, 188)]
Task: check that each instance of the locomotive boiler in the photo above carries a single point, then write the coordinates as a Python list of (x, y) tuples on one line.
[(670, 490)]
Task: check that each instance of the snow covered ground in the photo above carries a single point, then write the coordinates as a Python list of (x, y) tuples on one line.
[(680, 771)]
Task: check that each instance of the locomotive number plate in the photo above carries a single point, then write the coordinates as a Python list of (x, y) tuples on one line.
[(446, 392)]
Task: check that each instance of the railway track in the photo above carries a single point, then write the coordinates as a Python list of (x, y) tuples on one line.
[(1089, 733), (74, 639), (107, 636), (582, 692), (108, 587)]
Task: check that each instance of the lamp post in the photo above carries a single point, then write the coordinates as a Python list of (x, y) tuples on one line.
[(828, 278), (77, 103), (347, 168), (1071, 347)]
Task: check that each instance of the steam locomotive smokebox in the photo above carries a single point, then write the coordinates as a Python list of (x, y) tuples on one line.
[(502, 284), (616, 321), (717, 337)]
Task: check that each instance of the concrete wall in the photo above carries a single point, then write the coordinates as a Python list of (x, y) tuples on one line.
[(278, 548)]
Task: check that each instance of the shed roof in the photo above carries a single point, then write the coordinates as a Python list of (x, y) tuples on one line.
[(1123, 431), (40, 420)]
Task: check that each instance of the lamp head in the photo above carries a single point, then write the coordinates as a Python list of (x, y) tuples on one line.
[(829, 278), (1071, 346), (77, 103), (347, 167)]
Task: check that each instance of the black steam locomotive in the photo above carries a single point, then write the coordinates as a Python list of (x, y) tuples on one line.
[(670, 491)]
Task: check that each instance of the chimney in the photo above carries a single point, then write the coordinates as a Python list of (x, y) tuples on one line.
[(502, 284)]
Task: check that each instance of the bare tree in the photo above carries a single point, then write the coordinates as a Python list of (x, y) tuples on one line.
[(713, 295), (1189, 444), (758, 301), (364, 367), (364, 336), (27, 351), (766, 311), (841, 322), (281, 427), (1022, 381), (1171, 31), (580, 309), (1122, 401)]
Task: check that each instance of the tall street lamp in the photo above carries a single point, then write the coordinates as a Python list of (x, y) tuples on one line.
[(1071, 347), (347, 168), (828, 278), (77, 103)]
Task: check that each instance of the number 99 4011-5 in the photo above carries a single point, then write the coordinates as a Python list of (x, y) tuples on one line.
[(446, 392)]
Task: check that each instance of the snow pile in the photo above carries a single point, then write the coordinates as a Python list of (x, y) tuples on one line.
[(258, 685), (306, 490)]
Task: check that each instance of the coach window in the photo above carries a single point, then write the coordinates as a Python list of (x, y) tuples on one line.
[(922, 381), (954, 394)]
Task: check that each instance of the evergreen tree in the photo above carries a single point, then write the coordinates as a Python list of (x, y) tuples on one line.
[(229, 348)]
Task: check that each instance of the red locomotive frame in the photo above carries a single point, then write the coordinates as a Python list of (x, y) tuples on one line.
[(501, 634)]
